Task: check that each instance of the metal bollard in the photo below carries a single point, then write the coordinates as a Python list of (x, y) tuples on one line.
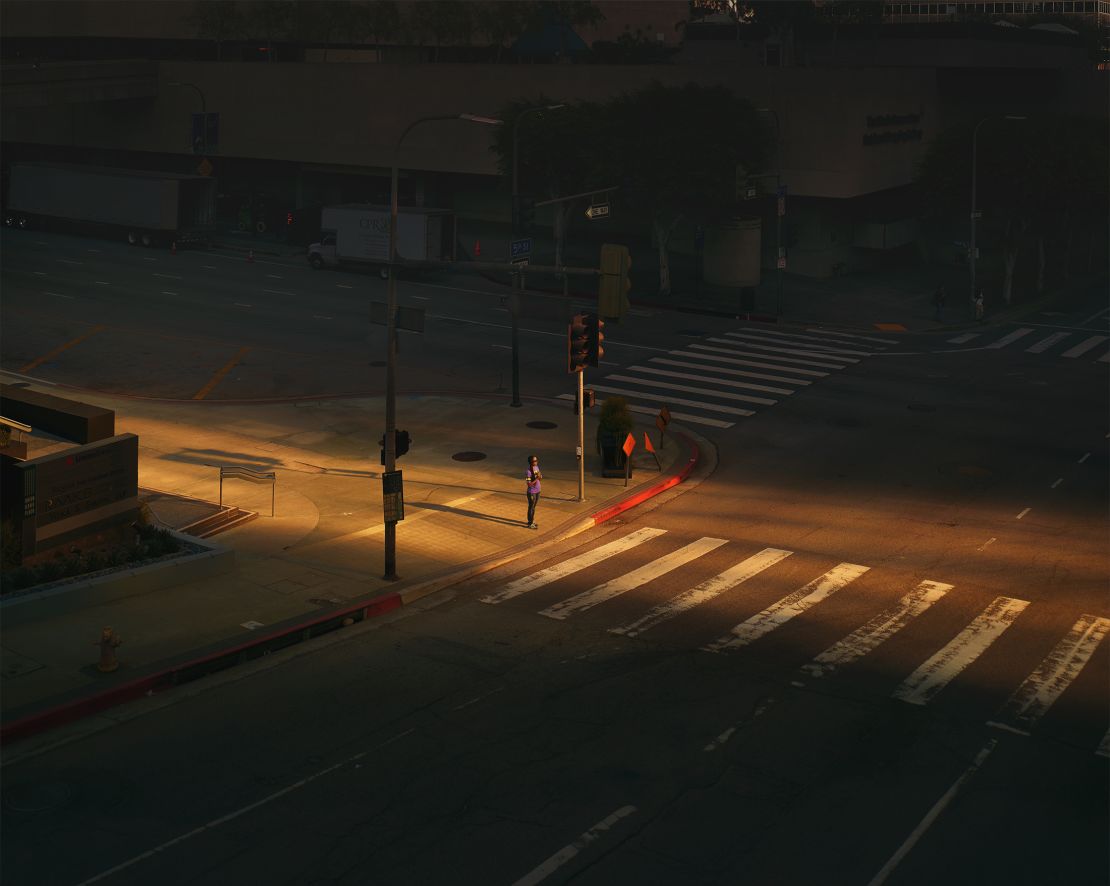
[(108, 643)]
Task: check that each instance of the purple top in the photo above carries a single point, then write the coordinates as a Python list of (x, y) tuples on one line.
[(533, 480)]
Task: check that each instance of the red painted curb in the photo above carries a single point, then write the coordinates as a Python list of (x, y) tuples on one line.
[(68, 712), (640, 497)]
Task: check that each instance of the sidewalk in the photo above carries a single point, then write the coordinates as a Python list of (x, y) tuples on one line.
[(322, 553)]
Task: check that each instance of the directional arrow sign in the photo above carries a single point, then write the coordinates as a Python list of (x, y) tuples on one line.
[(600, 210)]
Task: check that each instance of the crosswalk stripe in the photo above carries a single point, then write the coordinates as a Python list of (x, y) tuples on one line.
[(697, 404), (778, 340), (1011, 338), (1045, 343), (785, 609), (741, 398), (823, 340), (574, 564), (940, 669), (840, 363), (883, 626), (647, 410), (707, 590), (734, 362), (1105, 358), (867, 338), (1104, 745), (1053, 675), (1089, 344), (751, 386), (743, 373), (630, 580), (960, 339), (779, 357)]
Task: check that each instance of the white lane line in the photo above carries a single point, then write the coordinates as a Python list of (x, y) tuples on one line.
[(278, 292), (93, 250), (148, 258), (70, 261), (868, 338), (209, 267), (721, 739), (631, 580), (1045, 343), (1053, 675), (57, 294), (960, 339), (647, 410), (687, 389), (344, 286), (1103, 749), (1097, 313), (167, 292), (777, 614), (167, 276), (800, 347), (879, 629), (39, 273), (574, 564), (932, 815), (1084, 458), (100, 282), (1059, 480), (747, 385), (1011, 338), (320, 317), (742, 373), (560, 858), (774, 354), (707, 590), (240, 304), (986, 544), (419, 297), (1023, 513), (1105, 358), (943, 666), (275, 276), (697, 404), (231, 816), (509, 348), (734, 362)]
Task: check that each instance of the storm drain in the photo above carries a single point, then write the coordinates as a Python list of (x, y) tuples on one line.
[(468, 456)]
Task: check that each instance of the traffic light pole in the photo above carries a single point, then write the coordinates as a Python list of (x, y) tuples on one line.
[(581, 435)]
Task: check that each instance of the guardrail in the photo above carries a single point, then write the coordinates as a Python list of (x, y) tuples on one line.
[(239, 472)]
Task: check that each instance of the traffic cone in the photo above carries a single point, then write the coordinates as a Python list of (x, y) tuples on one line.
[(173, 248), (250, 256), (477, 248)]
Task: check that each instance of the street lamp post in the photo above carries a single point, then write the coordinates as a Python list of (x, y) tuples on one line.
[(974, 210), (203, 112), (778, 215), (391, 326), (518, 289)]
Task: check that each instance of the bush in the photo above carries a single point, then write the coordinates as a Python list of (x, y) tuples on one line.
[(615, 419)]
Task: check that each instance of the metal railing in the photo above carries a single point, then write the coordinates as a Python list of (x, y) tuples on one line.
[(239, 472)]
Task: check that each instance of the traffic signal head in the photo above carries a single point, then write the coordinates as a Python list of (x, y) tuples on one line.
[(577, 343), (595, 337), (401, 442), (615, 282)]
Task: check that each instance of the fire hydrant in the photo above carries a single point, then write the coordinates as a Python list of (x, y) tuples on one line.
[(108, 643)]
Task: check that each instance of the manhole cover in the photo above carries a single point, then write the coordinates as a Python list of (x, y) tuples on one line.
[(541, 425), (921, 407), (37, 797), (468, 456), (377, 363)]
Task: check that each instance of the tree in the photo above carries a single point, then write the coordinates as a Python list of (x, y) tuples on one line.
[(501, 23), (677, 152), (271, 18), (218, 21)]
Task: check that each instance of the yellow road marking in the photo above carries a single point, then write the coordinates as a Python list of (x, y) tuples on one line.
[(215, 380), (54, 353)]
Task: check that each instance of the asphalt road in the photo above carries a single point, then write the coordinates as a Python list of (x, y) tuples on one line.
[(868, 648)]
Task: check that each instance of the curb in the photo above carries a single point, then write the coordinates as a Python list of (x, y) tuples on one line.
[(193, 668)]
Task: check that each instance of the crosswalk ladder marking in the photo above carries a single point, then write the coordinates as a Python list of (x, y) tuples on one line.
[(631, 580), (775, 353), (1089, 344), (785, 609), (740, 372), (867, 338), (1053, 675), (960, 339), (654, 410), (880, 628), (733, 361), (941, 668), (1011, 338), (800, 347), (707, 590), (1045, 343), (822, 341), (688, 389), (697, 404), (751, 386), (574, 564)]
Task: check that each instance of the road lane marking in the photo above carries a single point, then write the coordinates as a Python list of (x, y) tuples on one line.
[(220, 373), (697, 404), (560, 858), (39, 273), (574, 564), (645, 410), (869, 338), (1023, 513), (1084, 458), (734, 362), (167, 292), (721, 739), (278, 292), (243, 810), (986, 544), (1011, 338), (932, 815), (941, 668), (1095, 315), (687, 389), (751, 386), (1103, 749), (93, 250), (1059, 480), (803, 348), (344, 286), (775, 354), (148, 258), (960, 339), (275, 276), (707, 590), (777, 614), (1053, 675), (168, 276), (56, 294), (879, 629), (743, 373), (240, 304), (209, 267), (822, 341), (632, 580), (101, 282), (70, 261), (1105, 358), (1045, 343), (320, 317), (419, 297), (54, 353)]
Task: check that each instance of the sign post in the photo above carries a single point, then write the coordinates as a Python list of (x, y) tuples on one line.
[(580, 451), (651, 449), (629, 445), (661, 421)]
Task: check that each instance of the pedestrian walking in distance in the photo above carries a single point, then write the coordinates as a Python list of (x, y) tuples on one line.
[(532, 484), (938, 300), (979, 306)]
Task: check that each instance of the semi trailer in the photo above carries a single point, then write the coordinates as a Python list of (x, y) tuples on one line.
[(358, 234)]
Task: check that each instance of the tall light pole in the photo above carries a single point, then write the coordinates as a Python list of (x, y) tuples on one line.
[(391, 326), (203, 112), (974, 210), (518, 289), (778, 213)]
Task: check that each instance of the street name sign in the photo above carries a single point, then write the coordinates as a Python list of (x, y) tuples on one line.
[(598, 210), (520, 248)]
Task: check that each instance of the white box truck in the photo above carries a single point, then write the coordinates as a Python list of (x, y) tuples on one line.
[(358, 234), (142, 206)]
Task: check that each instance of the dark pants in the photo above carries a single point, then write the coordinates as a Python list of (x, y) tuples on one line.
[(533, 497)]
